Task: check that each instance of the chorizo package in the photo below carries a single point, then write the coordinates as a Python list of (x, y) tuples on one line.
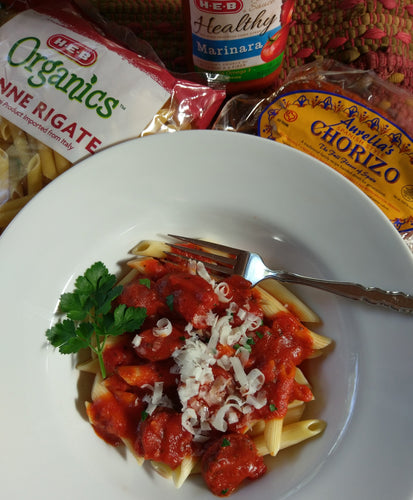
[(350, 119), (67, 90)]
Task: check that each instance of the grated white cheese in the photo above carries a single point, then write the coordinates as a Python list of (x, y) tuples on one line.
[(256, 380), (208, 402), (195, 361), (222, 291), (191, 266), (242, 314), (157, 398), (219, 331), (239, 374), (203, 273), (136, 342), (189, 420), (232, 308), (163, 328), (258, 401)]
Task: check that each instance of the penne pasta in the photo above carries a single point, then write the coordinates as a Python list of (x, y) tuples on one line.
[(128, 277), (151, 248), (162, 469), (98, 389), (272, 435), (184, 470), (269, 303), (5, 134), (34, 175), (292, 434), (61, 163), (295, 412), (4, 176), (129, 445), (90, 366), (26, 166), (22, 148), (47, 161), (233, 398), (290, 301), (11, 208), (320, 342)]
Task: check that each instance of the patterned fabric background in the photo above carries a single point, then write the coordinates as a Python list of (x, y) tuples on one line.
[(368, 34)]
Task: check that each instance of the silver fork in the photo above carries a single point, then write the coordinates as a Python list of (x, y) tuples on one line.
[(251, 266)]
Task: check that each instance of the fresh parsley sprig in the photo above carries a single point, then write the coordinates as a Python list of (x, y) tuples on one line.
[(91, 317)]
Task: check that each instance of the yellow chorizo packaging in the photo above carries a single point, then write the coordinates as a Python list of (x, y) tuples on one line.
[(354, 139), (351, 120)]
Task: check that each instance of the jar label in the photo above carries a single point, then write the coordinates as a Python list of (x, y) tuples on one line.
[(242, 39)]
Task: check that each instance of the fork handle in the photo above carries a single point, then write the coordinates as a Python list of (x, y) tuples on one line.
[(394, 300)]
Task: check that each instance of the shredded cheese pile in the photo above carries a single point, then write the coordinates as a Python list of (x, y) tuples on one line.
[(207, 402)]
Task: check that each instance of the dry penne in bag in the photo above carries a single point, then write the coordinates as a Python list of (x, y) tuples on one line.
[(68, 91)]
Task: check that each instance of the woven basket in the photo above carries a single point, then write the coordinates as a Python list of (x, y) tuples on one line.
[(159, 22), (367, 34)]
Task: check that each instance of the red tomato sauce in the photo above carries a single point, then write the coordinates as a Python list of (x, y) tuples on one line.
[(228, 461), (162, 438), (145, 384)]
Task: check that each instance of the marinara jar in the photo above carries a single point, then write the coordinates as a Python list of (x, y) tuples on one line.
[(242, 40)]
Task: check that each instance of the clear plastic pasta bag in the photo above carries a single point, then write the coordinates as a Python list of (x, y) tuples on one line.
[(72, 84), (350, 119)]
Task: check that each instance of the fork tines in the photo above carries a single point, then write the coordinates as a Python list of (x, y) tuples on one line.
[(208, 244), (210, 260)]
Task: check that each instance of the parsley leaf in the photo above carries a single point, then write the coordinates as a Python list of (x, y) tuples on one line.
[(170, 301), (145, 282), (90, 314)]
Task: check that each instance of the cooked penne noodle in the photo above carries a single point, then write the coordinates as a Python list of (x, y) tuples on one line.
[(128, 443), (290, 300), (184, 470), (90, 366), (320, 342), (292, 434), (295, 412), (300, 377), (134, 374), (98, 389), (269, 303), (128, 277), (162, 469), (257, 428), (151, 248), (272, 435), (158, 379), (139, 264)]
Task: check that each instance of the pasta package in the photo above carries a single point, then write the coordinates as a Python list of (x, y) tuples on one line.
[(68, 90), (350, 119)]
